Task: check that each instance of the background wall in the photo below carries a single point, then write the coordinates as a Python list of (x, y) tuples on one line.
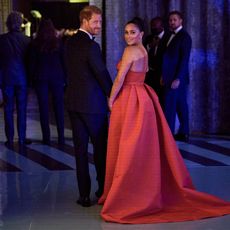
[(5, 8), (208, 24)]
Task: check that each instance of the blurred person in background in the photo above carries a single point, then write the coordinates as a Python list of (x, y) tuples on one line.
[(47, 72), (13, 55)]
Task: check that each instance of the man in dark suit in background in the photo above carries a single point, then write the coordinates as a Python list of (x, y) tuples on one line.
[(155, 44), (89, 85), (175, 76), (13, 52)]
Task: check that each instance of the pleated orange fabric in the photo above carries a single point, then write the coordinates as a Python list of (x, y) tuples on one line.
[(146, 178)]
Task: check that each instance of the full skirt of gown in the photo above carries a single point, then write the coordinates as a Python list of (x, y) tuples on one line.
[(146, 178)]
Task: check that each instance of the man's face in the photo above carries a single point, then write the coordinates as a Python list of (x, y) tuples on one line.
[(156, 27), (93, 26), (174, 21)]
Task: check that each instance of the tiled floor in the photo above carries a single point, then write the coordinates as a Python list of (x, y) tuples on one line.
[(38, 184)]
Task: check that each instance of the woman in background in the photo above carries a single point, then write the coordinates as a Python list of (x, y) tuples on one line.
[(146, 178), (48, 77)]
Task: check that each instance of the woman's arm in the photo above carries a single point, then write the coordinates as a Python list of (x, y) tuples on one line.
[(126, 63)]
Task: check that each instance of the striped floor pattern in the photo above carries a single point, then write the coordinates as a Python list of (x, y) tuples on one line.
[(198, 152), (38, 186)]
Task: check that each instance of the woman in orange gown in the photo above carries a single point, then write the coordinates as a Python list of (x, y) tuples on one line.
[(146, 178)]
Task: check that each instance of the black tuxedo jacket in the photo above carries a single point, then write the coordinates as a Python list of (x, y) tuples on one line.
[(176, 59), (88, 80), (155, 59)]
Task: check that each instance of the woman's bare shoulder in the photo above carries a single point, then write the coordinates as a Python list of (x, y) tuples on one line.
[(131, 51), (128, 53)]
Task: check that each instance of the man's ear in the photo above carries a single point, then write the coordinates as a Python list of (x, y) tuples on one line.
[(84, 21)]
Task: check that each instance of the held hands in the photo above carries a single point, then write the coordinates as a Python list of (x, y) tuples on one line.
[(175, 84), (110, 103), (161, 81)]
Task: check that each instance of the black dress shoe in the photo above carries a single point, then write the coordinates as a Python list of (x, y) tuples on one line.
[(28, 141), (25, 142), (98, 193), (61, 142), (46, 142), (181, 137), (84, 201), (9, 144)]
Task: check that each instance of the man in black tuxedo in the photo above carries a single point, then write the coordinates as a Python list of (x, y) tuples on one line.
[(155, 43), (89, 85), (175, 76)]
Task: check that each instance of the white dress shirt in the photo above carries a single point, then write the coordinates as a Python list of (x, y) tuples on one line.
[(174, 34), (160, 37)]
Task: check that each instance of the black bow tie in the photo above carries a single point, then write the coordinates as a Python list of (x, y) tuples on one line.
[(93, 38), (173, 32)]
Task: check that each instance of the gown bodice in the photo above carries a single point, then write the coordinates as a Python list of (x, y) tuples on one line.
[(133, 77)]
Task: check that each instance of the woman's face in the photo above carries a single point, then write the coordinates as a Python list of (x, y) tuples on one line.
[(133, 35)]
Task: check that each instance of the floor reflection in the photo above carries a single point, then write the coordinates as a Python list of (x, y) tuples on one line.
[(38, 185)]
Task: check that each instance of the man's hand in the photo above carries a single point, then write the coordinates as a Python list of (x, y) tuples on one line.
[(161, 81), (110, 103), (175, 84)]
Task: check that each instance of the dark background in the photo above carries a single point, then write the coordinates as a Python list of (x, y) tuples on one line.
[(62, 13)]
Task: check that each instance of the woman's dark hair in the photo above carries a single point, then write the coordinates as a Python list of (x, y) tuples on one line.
[(138, 22), (46, 38)]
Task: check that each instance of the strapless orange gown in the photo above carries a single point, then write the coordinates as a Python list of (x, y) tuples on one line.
[(146, 178)]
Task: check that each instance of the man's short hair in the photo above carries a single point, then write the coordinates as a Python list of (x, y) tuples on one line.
[(14, 21), (86, 12), (157, 18), (178, 13)]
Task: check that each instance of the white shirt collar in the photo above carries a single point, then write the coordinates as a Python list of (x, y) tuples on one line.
[(178, 29), (90, 35), (161, 34)]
